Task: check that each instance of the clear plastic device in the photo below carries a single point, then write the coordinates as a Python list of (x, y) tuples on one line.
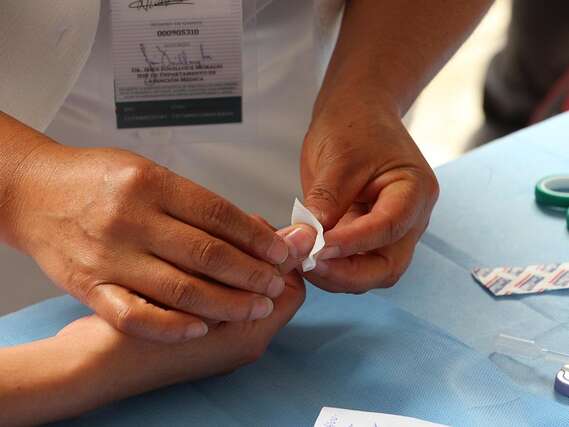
[(529, 349)]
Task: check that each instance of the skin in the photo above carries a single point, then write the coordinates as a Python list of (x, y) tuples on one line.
[(154, 254), (362, 174), (149, 251), (50, 375), (115, 365)]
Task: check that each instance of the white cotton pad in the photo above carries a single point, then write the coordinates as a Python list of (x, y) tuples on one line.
[(301, 215)]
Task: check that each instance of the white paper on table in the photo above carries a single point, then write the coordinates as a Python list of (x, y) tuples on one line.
[(301, 215), (532, 279), (335, 417)]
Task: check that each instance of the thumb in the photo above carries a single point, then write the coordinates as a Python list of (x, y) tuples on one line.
[(331, 192)]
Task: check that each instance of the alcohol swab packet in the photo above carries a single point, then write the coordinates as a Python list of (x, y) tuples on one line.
[(301, 215)]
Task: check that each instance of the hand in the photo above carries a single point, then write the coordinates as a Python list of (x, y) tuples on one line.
[(367, 182), (151, 252), (117, 366)]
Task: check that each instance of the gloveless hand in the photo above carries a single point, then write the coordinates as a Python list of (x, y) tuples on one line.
[(151, 252), (116, 366), (366, 180)]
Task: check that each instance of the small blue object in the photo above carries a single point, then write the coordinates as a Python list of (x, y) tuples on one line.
[(562, 381)]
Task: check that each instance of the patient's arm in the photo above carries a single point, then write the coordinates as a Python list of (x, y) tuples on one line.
[(89, 364)]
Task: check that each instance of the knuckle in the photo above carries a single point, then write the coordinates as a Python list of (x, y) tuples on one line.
[(123, 187), (426, 181), (136, 173), (84, 271), (98, 257), (113, 221), (125, 319), (210, 255), (259, 280), (323, 193), (87, 293), (184, 295), (394, 229), (434, 187), (259, 236), (390, 281), (395, 275), (219, 212)]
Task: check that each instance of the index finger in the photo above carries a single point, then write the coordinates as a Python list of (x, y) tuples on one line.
[(200, 208), (398, 207)]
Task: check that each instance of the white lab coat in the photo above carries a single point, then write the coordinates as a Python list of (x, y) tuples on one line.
[(258, 172)]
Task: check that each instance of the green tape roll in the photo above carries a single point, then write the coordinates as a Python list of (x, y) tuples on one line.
[(553, 191)]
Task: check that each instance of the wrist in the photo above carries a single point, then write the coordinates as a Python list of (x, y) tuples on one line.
[(335, 100), (23, 152), (348, 108)]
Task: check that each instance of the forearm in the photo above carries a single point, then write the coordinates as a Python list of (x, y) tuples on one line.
[(41, 382), (90, 364), (391, 49), (69, 374)]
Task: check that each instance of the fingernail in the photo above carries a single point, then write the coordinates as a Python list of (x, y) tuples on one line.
[(262, 307), (330, 253), (276, 287), (321, 268), (196, 330), (278, 252), (299, 241)]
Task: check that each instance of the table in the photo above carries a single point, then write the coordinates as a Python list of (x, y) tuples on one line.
[(422, 349), (487, 216)]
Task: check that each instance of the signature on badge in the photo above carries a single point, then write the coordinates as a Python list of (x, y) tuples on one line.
[(147, 5)]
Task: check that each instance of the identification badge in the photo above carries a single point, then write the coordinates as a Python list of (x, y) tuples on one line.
[(177, 62)]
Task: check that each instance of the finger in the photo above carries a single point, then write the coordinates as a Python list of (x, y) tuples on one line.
[(331, 190), (363, 272), (196, 251), (132, 315), (286, 305), (174, 288), (263, 221), (399, 206), (250, 339), (202, 209), (300, 240), (355, 211)]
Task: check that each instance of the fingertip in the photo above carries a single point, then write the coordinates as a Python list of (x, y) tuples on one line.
[(299, 239), (262, 308), (196, 330), (278, 251), (322, 268), (276, 287)]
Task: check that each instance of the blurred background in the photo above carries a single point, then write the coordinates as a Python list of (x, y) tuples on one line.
[(449, 112)]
